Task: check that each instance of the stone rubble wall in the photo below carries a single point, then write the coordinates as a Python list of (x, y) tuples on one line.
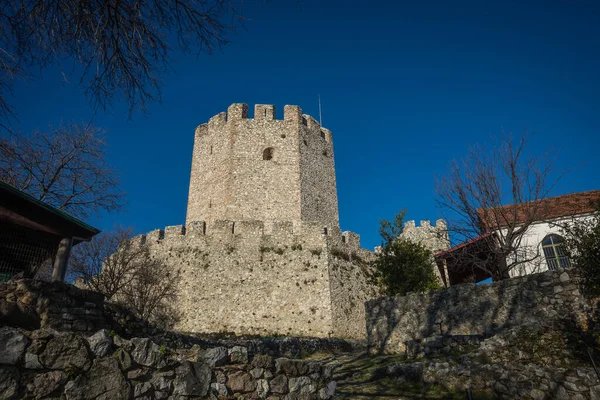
[(543, 299), (37, 304), (282, 283), (45, 354), (47, 364), (501, 381)]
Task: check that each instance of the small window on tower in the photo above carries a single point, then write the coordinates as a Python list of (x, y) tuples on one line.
[(268, 154)]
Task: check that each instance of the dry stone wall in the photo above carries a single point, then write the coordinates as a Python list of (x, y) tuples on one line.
[(541, 299), (58, 360), (296, 281)]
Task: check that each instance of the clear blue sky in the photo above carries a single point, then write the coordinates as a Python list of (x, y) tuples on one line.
[(405, 87)]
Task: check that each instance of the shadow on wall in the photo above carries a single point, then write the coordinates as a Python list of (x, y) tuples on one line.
[(549, 299)]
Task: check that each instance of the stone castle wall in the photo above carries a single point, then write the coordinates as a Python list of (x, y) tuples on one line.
[(263, 168), (295, 280), (434, 237), (541, 300), (349, 284)]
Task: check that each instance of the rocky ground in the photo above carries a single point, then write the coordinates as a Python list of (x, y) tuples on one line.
[(524, 363), (362, 376)]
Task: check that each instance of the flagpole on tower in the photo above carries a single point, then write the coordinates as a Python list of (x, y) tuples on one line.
[(320, 114)]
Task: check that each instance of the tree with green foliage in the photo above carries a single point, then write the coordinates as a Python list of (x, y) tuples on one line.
[(583, 246), (403, 266)]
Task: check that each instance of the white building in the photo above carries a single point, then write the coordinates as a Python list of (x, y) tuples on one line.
[(540, 248)]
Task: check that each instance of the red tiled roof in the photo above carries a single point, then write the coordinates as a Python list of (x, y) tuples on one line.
[(541, 210), (444, 253)]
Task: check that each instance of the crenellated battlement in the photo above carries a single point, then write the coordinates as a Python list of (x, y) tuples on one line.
[(425, 223), (261, 250), (434, 237), (231, 180), (281, 231), (263, 113)]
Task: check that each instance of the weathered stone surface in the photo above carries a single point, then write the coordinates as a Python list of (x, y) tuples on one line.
[(124, 359), (104, 381), (238, 355), (136, 374), (146, 352), (262, 361), (124, 343), (257, 372), (9, 382), (100, 343), (302, 384), (162, 381), (161, 395), (216, 356), (291, 367), (240, 381), (192, 379), (279, 384), (328, 391), (12, 345), (46, 383), (394, 323), (219, 389), (32, 361), (220, 376), (262, 388), (66, 351), (143, 389)]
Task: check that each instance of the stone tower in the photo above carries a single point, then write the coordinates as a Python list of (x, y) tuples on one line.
[(263, 169), (262, 251)]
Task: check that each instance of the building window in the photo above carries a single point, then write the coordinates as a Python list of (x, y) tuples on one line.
[(268, 154), (554, 251)]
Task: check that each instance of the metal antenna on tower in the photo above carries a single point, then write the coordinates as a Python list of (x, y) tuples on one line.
[(320, 115)]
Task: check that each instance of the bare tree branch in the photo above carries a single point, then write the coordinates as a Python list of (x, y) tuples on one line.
[(125, 271), (496, 193), (119, 47), (64, 167)]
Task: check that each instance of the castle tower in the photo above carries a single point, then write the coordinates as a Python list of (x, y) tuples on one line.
[(263, 168), (254, 255)]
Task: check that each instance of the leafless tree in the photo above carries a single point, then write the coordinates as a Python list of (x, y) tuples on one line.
[(495, 195), (124, 270), (109, 262), (115, 47), (64, 167), (152, 293)]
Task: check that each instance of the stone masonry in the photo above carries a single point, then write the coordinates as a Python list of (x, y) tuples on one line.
[(480, 311), (46, 354), (262, 168), (433, 237), (262, 251)]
